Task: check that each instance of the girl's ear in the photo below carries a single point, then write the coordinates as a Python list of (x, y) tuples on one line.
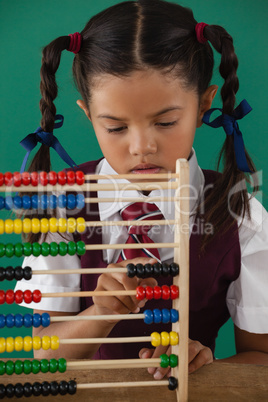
[(206, 102), (83, 106)]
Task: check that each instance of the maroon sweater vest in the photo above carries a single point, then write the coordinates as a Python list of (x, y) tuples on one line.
[(210, 277)]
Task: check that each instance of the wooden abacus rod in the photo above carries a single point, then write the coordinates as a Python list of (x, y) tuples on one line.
[(148, 222), (97, 317), (92, 293), (83, 341), (97, 200), (124, 384), (129, 246), (113, 364), (79, 271), (131, 176)]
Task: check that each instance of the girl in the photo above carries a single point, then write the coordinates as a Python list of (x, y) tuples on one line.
[(143, 69)]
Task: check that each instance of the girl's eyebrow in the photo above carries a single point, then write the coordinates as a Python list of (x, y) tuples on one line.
[(163, 111)]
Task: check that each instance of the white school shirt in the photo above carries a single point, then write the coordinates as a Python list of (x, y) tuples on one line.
[(247, 297)]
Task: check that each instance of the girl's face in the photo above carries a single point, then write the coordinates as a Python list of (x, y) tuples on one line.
[(144, 122)]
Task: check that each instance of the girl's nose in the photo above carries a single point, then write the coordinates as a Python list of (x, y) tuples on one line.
[(142, 143)]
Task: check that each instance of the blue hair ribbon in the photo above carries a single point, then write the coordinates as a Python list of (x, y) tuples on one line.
[(230, 126), (31, 140)]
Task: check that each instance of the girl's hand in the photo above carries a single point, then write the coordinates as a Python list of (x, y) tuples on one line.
[(157, 372), (120, 281)]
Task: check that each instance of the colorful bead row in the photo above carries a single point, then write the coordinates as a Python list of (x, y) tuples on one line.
[(19, 296), (32, 366), (36, 389), (28, 343), (161, 316), (164, 292), (42, 202), (152, 271), (27, 320), (18, 273), (43, 225), (45, 249), (43, 178), (169, 361), (164, 338)]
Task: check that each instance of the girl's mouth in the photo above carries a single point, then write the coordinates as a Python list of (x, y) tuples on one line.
[(146, 168)]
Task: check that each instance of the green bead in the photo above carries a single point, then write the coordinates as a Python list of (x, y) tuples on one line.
[(9, 367), (62, 365), (27, 249), (27, 366), (9, 250), (2, 250), (63, 247), (71, 248), (45, 249), (18, 250), (164, 361), (173, 360), (18, 367), (44, 365), (36, 366), (36, 249), (54, 249), (3, 368), (53, 365), (80, 248)]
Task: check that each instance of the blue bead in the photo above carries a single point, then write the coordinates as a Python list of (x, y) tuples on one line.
[(165, 316), (157, 315), (8, 202), (17, 202), (80, 201), (71, 201), (10, 320), (26, 202), (174, 315), (2, 203), (2, 321), (44, 201), (37, 320), (62, 201), (52, 201), (28, 320), (18, 320), (35, 201), (45, 320), (149, 317)]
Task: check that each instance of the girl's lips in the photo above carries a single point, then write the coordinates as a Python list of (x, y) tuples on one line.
[(146, 169)]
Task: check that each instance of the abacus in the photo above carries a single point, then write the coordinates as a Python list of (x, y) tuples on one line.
[(178, 292)]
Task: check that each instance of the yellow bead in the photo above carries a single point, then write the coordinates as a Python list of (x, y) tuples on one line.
[(18, 344), (28, 343), (2, 345), (174, 338), (2, 226), (45, 342), (17, 226), (37, 343), (81, 225), (44, 225), (9, 344), (55, 342), (35, 225), (71, 225), (62, 225), (155, 339), (53, 225), (9, 226), (27, 225), (164, 338)]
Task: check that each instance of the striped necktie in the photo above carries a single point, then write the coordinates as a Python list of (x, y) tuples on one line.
[(139, 234)]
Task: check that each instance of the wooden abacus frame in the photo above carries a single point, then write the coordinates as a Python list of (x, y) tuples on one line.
[(181, 253)]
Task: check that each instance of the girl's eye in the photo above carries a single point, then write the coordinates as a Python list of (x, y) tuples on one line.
[(116, 130), (168, 124)]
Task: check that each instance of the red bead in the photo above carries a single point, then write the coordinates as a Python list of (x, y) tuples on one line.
[(62, 178), (157, 292), (165, 292), (37, 296), (174, 292), (140, 295), (10, 296), (52, 178), (2, 297), (8, 179), (26, 178), (149, 292), (43, 179), (17, 179), (1, 179), (18, 296), (34, 179), (80, 177), (27, 296), (71, 177)]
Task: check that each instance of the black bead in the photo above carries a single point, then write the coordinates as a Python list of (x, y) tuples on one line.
[(28, 389), (174, 269), (148, 271), (18, 271), (2, 391), (165, 270), (172, 383), (72, 387), (157, 269), (63, 387), (45, 388), (37, 389), (54, 388), (131, 270), (18, 390), (140, 270), (27, 273), (10, 391), (2, 274), (10, 273)]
